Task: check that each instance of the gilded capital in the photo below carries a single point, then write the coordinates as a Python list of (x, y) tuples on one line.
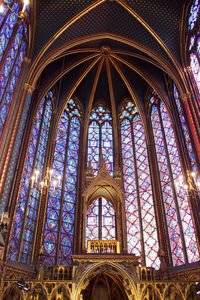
[(185, 97), (29, 88)]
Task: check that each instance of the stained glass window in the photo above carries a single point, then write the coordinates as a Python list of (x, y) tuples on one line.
[(177, 209), (100, 138), (185, 128), (13, 44), (194, 41), (100, 220), (26, 217), (139, 205), (59, 225), (193, 16)]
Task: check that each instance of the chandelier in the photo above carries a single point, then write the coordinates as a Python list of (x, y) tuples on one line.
[(21, 14), (190, 183), (47, 181)]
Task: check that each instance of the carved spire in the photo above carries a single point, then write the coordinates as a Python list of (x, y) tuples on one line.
[(117, 171), (102, 161), (89, 171)]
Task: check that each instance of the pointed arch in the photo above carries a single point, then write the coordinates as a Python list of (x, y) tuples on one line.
[(140, 213), (38, 290), (13, 48), (60, 213), (179, 219), (60, 292), (173, 291), (26, 214), (184, 126), (100, 138), (151, 292)]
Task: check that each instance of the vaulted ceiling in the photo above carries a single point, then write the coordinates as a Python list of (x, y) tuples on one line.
[(106, 50)]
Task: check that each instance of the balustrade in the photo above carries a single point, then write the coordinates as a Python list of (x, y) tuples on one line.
[(103, 246)]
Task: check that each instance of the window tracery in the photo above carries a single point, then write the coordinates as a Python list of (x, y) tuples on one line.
[(185, 128), (139, 205), (60, 215), (26, 217), (194, 42), (177, 209), (100, 138), (100, 220), (14, 39)]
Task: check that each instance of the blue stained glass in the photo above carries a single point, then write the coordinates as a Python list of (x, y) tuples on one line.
[(100, 125), (12, 65), (194, 11), (169, 193), (11, 57), (29, 196), (62, 199), (100, 211), (185, 129), (194, 43), (184, 208), (7, 28)]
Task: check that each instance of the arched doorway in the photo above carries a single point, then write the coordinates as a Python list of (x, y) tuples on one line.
[(104, 286)]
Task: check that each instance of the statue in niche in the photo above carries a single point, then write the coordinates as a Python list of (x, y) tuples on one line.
[(4, 222)]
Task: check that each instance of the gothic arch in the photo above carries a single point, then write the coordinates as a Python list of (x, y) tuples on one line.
[(151, 291), (39, 290), (103, 185), (63, 289), (127, 281), (173, 292)]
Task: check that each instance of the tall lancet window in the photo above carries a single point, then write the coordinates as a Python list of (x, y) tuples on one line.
[(100, 138), (185, 128), (142, 236), (178, 213), (26, 217), (13, 44), (194, 41), (60, 214), (100, 220)]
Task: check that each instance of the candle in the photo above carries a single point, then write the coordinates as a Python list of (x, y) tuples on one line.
[(26, 2), (2, 217)]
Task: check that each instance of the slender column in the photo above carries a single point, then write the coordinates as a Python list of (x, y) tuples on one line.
[(30, 187), (62, 194), (159, 208), (41, 216), (11, 207), (173, 188), (138, 198), (15, 153), (114, 117)]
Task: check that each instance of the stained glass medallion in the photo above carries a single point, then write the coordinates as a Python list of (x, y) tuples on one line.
[(13, 44), (100, 138), (140, 215), (59, 231), (175, 200), (23, 233)]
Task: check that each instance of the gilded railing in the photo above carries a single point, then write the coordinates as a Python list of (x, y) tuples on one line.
[(103, 246)]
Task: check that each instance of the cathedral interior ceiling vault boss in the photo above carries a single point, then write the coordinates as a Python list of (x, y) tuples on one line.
[(100, 149)]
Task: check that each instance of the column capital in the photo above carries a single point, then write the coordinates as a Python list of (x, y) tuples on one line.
[(27, 60), (29, 88), (185, 97)]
